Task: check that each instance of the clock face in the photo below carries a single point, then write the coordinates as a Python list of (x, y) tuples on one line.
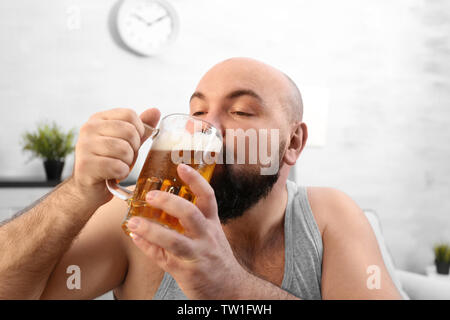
[(147, 26)]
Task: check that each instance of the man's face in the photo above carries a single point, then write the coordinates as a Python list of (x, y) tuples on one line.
[(243, 94)]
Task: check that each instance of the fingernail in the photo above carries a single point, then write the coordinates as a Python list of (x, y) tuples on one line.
[(133, 223), (134, 236)]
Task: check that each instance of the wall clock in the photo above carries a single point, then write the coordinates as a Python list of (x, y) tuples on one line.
[(147, 27)]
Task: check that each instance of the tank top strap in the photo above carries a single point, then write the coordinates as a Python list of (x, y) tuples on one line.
[(303, 246)]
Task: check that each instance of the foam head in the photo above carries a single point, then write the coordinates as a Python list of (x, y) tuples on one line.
[(183, 140)]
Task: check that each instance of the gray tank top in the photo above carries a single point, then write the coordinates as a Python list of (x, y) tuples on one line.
[(303, 252)]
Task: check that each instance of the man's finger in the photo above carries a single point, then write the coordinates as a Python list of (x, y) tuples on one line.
[(161, 236), (206, 199), (120, 129), (151, 250), (123, 114), (189, 215), (151, 118)]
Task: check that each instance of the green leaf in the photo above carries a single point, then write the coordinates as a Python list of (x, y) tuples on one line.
[(442, 252), (49, 142)]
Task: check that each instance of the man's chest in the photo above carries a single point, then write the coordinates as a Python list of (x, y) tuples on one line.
[(267, 264), (144, 278)]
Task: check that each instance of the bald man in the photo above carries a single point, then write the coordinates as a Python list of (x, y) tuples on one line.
[(249, 236)]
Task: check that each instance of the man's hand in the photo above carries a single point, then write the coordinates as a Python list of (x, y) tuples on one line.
[(107, 148), (200, 260)]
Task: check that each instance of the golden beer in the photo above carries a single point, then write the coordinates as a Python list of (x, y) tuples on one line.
[(160, 173), (180, 139)]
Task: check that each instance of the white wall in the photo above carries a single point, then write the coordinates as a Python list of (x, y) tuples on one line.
[(385, 63)]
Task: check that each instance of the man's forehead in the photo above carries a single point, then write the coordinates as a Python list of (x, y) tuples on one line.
[(241, 74)]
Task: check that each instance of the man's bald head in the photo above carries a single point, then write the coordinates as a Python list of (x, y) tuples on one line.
[(248, 73), (294, 105)]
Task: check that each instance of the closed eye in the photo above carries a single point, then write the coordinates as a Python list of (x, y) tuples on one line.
[(242, 114), (238, 113)]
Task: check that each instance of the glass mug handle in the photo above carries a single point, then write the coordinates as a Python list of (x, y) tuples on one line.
[(113, 184)]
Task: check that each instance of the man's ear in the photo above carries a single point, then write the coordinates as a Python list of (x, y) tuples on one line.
[(297, 142)]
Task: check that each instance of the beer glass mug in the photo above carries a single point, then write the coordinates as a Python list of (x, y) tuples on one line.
[(180, 138)]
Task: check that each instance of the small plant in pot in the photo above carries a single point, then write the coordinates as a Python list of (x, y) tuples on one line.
[(442, 258), (50, 143)]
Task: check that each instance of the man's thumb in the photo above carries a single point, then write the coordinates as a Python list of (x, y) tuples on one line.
[(151, 118)]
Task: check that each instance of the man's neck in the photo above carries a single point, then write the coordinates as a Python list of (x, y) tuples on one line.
[(262, 223)]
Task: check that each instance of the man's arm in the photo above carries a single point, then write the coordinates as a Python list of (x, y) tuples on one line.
[(33, 242), (351, 251), (98, 252)]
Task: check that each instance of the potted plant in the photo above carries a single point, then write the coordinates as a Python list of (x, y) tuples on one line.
[(442, 258), (52, 145)]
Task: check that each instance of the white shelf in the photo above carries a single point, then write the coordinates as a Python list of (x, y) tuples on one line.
[(431, 272)]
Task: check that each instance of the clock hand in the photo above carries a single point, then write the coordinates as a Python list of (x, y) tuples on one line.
[(157, 20), (140, 18)]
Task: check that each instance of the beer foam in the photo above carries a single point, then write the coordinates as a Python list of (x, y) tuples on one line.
[(183, 140)]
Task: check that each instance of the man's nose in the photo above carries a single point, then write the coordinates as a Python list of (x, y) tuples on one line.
[(216, 121)]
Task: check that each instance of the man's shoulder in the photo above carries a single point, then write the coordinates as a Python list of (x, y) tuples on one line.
[(328, 196), (332, 207)]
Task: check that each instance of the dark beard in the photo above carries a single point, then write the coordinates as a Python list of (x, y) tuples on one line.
[(238, 190)]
